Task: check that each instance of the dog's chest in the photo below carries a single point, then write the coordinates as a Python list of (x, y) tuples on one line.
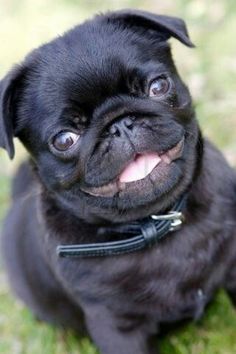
[(171, 281), (166, 284), (169, 289)]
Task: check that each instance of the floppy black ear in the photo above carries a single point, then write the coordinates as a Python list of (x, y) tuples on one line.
[(8, 93), (166, 26)]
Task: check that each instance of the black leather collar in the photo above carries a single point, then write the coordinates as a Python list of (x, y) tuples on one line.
[(143, 233)]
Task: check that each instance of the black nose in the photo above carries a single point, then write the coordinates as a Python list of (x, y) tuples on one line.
[(120, 126)]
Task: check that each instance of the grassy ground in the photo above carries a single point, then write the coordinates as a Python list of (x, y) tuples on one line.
[(209, 70)]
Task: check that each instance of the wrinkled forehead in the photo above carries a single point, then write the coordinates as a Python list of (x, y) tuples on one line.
[(95, 46), (94, 60)]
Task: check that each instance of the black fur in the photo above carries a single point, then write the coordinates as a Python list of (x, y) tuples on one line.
[(90, 79)]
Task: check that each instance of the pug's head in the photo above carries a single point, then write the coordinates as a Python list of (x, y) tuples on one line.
[(105, 117)]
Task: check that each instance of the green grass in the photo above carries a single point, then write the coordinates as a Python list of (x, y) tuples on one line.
[(4, 195), (209, 70), (214, 334), (21, 333)]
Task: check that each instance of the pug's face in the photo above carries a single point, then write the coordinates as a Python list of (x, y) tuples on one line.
[(105, 116)]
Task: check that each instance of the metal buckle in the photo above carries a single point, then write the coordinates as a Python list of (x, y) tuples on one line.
[(176, 218), (176, 224), (172, 215)]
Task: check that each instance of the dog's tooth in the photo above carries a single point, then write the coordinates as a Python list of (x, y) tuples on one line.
[(166, 159), (121, 185), (108, 190), (176, 151)]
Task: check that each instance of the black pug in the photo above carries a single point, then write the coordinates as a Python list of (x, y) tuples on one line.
[(124, 218)]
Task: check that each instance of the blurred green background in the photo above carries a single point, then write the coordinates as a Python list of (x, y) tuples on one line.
[(210, 72)]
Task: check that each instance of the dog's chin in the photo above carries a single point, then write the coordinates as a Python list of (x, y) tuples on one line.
[(157, 191), (151, 195), (147, 176)]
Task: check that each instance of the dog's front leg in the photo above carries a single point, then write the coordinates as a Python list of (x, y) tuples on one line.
[(110, 338)]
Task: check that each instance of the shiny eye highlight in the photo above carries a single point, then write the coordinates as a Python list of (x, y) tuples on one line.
[(159, 87), (65, 140)]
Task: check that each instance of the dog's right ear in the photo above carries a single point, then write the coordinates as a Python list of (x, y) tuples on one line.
[(9, 95)]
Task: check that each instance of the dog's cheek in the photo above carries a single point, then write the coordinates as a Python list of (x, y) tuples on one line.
[(181, 95), (55, 174)]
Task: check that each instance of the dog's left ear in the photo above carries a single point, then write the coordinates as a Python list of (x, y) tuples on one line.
[(9, 87), (166, 26)]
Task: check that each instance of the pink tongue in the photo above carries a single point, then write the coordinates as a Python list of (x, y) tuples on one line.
[(140, 167)]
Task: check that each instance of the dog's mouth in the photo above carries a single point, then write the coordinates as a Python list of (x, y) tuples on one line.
[(140, 168)]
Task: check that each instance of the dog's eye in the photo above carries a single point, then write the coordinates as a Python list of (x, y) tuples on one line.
[(159, 87), (64, 140)]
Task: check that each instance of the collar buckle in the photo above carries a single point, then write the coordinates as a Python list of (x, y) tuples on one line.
[(176, 218), (172, 215)]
